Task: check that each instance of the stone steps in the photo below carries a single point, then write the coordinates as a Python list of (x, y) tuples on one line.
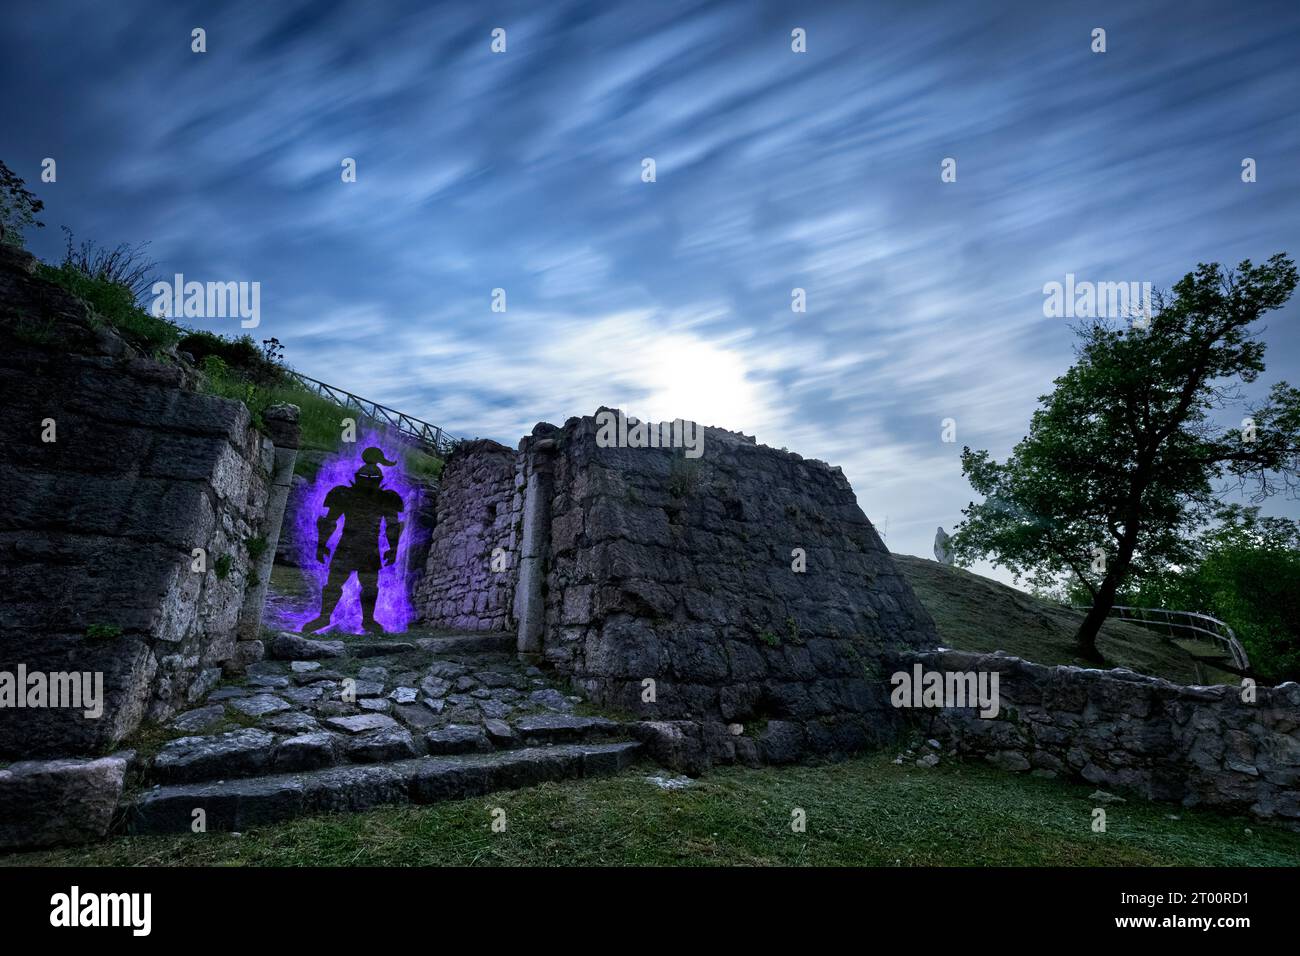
[(236, 805), (361, 739), (287, 646)]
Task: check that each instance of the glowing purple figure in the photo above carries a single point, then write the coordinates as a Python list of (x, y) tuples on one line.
[(393, 610)]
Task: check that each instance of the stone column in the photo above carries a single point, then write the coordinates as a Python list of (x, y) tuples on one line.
[(530, 602), (282, 424)]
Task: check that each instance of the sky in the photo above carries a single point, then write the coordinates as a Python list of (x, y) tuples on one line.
[(522, 170)]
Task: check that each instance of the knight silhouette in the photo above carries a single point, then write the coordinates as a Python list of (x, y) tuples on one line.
[(363, 506)]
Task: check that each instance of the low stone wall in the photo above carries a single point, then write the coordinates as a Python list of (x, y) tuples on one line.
[(1199, 746), (477, 512)]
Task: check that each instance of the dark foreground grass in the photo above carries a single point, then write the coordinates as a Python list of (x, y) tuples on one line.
[(866, 811)]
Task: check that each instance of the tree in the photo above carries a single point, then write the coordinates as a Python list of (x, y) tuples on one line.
[(18, 207), (1121, 460)]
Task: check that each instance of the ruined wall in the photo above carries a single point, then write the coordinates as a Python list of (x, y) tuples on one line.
[(477, 511), (98, 525), (680, 570), (1201, 746)]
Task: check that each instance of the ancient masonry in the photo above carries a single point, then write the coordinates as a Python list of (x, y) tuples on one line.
[(739, 604), (137, 534)]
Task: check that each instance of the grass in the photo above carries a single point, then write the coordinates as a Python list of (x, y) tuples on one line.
[(866, 811), (114, 304), (975, 613), (233, 367)]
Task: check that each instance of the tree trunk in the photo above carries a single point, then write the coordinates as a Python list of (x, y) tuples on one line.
[(1086, 635)]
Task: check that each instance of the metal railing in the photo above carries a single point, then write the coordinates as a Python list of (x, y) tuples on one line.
[(1186, 625), (432, 438)]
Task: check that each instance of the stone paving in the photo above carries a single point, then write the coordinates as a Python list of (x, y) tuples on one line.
[(330, 702)]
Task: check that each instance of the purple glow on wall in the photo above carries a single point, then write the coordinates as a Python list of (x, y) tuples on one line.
[(393, 609)]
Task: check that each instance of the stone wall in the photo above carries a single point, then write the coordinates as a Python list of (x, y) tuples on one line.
[(679, 570), (99, 524), (1200, 746), (477, 512)]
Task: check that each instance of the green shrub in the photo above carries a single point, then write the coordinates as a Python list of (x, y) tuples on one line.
[(241, 355), (103, 632), (222, 566)]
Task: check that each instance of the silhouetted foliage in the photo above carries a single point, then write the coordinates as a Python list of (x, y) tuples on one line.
[(18, 207)]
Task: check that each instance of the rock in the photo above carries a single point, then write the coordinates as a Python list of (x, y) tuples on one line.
[(464, 684), (293, 647), (457, 739), (263, 680), (448, 670), (302, 696), (942, 546), (362, 723), (675, 744), (1101, 796), (382, 648), (933, 744), (199, 719), (246, 653), (239, 753), (235, 805), (557, 728), (551, 699), (228, 693), (499, 731), (781, 741), (375, 704), (405, 695), (376, 674), (435, 686), (312, 678), (259, 705), (735, 729), (293, 722), (309, 751), (1009, 760), (381, 746), (929, 760), (434, 705), (361, 688), (304, 667), (495, 709), (65, 801)]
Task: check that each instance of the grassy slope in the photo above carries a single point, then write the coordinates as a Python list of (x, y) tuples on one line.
[(866, 811), (975, 613)]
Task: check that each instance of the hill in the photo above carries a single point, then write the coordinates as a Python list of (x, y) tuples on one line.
[(975, 613)]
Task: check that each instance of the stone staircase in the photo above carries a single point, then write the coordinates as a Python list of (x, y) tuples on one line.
[(347, 725)]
